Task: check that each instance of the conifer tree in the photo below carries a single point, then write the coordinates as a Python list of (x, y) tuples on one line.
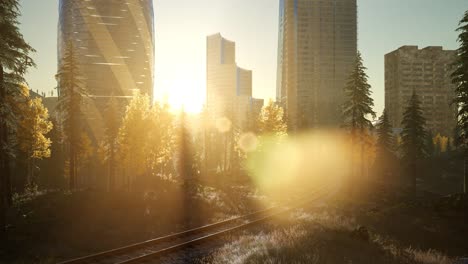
[(431, 145), (413, 136), (385, 142), (206, 121), (112, 123), (133, 135), (460, 79), (14, 61), (385, 145), (71, 95), (84, 154), (358, 105), (161, 139), (186, 168)]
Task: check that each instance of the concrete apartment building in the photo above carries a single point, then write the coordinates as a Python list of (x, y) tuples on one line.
[(427, 72), (317, 48), (228, 87), (114, 45)]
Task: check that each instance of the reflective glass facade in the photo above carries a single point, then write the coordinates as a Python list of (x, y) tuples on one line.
[(114, 43), (316, 50)]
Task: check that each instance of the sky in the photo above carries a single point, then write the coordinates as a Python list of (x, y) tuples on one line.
[(181, 27)]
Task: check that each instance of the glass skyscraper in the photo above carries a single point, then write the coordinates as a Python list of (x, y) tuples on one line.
[(317, 49), (114, 45)]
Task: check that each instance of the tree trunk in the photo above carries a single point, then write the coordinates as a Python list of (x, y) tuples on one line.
[(362, 161), (4, 161), (350, 177), (3, 209), (8, 188), (72, 168), (205, 161), (465, 187), (111, 169), (413, 172)]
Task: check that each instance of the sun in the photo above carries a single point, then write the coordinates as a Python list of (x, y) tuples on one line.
[(186, 94)]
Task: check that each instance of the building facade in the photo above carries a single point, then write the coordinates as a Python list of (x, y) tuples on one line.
[(427, 72), (228, 87), (114, 44), (317, 48)]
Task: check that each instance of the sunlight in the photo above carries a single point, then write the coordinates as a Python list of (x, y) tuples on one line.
[(312, 159), (185, 94)]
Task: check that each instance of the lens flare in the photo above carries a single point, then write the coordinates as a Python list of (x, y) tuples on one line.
[(248, 142), (223, 124), (307, 161)]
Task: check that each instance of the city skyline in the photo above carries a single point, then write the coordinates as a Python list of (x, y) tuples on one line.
[(257, 36)]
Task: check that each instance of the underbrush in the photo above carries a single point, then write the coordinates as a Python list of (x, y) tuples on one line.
[(319, 238), (49, 226)]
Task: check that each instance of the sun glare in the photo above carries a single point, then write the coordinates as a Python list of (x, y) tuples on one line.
[(185, 94)]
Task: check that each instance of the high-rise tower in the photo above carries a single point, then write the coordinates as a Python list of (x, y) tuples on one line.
[(316, 50), (114, 44), (427, 72), (228, 87)]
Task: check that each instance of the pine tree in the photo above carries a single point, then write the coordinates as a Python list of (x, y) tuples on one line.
[(71, 95), (186, 169), (385, 142), (413, 136), (161, 139), (133, 136), (206, 122), (84, 154), (14, 62), (460, 78), (358, 107), (112, 124), (431, 145)]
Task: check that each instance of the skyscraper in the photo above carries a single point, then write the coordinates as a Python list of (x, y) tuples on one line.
[(316, 51), (427, 72), (228, 87), (114, 46)]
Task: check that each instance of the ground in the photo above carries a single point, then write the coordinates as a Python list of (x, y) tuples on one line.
[(385, 226), (393, 230), (55, 225)]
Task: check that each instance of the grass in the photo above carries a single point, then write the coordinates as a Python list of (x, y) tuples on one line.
[(52, 226), (318, 237)]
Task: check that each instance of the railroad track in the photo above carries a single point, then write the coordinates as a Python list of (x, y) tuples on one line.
[(163, 246)]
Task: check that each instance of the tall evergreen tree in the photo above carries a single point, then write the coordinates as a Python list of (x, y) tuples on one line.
[(460, 78), (357, 108), (385, 141), (14, 62), (186, 169), (132, 139), (161, 139), (413, 136), (71, 95), (386, 157), (84, 154), (112, 123)]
